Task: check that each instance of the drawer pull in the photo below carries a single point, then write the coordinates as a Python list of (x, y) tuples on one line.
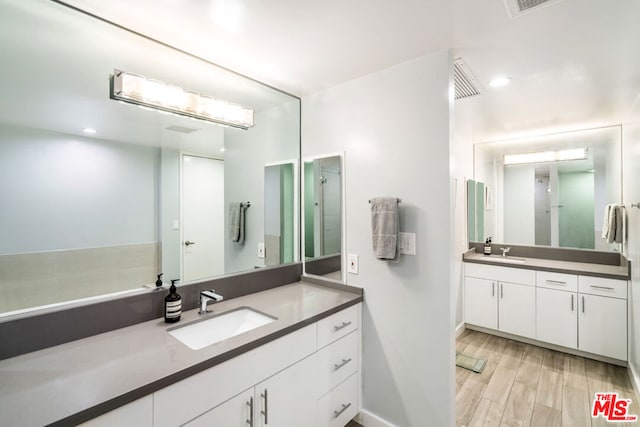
[(583, 303), (336, 414), (344, 325), (250, 405), (555, 282), (344, 362), (608, 288)]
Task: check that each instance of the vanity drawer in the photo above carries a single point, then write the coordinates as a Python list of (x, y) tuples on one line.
[(561, 281), (340, 405), (501, 274), (338, 325), (601, 286), (337, 362)]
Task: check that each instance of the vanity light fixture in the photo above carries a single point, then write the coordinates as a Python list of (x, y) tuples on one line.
[(500, 81), (149, 93), (546, 156)]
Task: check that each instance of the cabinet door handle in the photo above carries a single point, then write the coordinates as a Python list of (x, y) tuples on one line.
[(501, 290), (342, 326), (583, 303), (339, 412), (250, 405), (266, 407), (571, 302), (608, 288), (493, 289), (555, 282), (337, 366)]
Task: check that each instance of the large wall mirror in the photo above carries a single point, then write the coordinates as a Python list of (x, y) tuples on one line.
[(87, 214), (548, 190), (323, 216)]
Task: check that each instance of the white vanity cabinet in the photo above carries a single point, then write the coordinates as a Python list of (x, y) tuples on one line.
[(557, 308), (574, 311), (602, 316), (289, 382), (138, 413), (500, 298)]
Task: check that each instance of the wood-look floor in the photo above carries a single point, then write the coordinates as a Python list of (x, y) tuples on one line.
[(526, 385)]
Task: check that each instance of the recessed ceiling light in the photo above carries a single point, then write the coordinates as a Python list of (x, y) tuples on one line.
[(90, 131), (500, 81), (222, 150)]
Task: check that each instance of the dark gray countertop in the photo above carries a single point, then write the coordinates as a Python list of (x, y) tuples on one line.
[(77, 381), (621, 272)]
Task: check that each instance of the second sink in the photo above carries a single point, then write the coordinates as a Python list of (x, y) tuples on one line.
[(205, 332)]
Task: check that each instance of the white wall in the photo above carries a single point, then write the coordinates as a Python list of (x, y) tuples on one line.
[(631, 194), (274, 139), (66, 192), (394, 127)]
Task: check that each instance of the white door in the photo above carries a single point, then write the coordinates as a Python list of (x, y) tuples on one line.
[(602, 326), (235, 412), (203, 217), (516, 308), (557, 317), (481, 302)]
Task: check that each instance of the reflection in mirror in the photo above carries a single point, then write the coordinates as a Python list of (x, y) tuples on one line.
[(323, 216), (280, 207), (102, 211), (550, 190)]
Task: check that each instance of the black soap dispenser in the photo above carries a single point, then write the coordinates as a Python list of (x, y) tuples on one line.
[(172, 304), (487, 246), (159, 281)]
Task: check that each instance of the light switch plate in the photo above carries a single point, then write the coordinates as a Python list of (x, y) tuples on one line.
[(352, 264), (260, 250), (407, 243)]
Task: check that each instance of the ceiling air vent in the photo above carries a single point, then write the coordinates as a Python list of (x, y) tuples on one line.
[(464, 82), (181, 129), (528, 4)]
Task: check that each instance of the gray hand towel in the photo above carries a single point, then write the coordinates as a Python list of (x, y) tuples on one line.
[(241, 225), (384, 227), (234, 221)]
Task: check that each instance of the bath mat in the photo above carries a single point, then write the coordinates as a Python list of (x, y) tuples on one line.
[(474, 364)]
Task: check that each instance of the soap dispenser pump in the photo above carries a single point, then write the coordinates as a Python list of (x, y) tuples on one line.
[(487, 246), (159, 281), (172, 304)]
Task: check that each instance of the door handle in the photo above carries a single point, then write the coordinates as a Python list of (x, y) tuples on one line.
[(250, 405), (189, 243), (571, 302), (266, 407), (502, 290)]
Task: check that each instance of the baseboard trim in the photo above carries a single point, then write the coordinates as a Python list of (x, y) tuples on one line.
[(605, 359), (635, 380), (460, 329), (369, 419)]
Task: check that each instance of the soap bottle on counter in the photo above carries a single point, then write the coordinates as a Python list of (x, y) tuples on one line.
[(159, 281), (487, 246), (172, 304)]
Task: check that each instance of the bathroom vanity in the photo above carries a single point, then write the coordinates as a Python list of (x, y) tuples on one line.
[(570, 306), (300, 369)]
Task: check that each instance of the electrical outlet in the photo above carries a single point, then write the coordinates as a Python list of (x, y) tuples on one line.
[(352, 263), (260, 250)]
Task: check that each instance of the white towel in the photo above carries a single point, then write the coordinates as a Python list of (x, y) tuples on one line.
[(605, 221), (234, 221), (384, 227), (614, 224)]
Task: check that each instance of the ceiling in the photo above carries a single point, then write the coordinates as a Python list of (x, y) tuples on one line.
[(573, 63)]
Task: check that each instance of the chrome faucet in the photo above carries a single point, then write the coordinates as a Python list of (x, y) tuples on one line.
[(206, 297), (505, 251)]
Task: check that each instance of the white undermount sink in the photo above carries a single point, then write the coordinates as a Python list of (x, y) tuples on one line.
[(219, 327), (508, 259)]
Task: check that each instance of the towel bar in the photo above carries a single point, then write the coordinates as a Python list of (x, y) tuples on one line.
[(396, 199), (248, 204), (635, 205)]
